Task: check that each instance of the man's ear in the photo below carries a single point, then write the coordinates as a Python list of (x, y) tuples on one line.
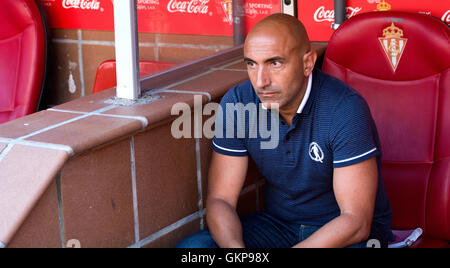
[(309, 60)]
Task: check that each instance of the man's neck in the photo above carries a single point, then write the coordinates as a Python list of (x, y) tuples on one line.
[(288, 113), (297, 105)]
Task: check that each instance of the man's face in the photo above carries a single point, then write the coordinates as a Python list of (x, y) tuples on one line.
[(275, 67)]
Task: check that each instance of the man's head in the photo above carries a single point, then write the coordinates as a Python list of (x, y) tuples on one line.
[(279, 60)]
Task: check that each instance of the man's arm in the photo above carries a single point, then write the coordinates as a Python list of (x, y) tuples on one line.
[(355, 188), (226, 178)]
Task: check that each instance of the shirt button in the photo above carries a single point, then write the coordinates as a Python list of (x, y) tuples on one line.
[(283, 123), (288, 152)]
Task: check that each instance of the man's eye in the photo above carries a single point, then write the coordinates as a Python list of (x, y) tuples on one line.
[(276, 64), (250, 64)]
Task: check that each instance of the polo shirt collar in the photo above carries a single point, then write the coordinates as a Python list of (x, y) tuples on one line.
[(307, 93)]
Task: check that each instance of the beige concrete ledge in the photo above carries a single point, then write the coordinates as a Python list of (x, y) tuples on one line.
[(107, 175)]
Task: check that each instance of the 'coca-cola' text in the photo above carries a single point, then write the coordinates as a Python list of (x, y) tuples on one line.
[(190, 6), (322, 14), (81, 4), (446, 17)]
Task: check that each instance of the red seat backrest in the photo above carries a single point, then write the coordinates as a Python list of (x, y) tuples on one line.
[(400, 63), (106, 72), (22, 58)]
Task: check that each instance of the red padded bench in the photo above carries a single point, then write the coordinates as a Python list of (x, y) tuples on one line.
[(400, 63), (106, 72), (22, 58)]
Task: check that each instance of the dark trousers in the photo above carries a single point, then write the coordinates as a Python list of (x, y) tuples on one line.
[(261, 230)]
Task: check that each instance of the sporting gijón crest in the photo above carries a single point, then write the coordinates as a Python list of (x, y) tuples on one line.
[(393, 44)]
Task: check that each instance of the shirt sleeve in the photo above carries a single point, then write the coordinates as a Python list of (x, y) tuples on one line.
[(226, 140), (353, 133)]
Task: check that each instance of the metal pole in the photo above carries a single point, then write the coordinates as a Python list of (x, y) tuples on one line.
[(127, 49), (289, 7), (238, 22), (340, 13)]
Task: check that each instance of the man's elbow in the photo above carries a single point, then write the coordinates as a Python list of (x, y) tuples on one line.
[(361, 227), (213, 204), (363, 230)]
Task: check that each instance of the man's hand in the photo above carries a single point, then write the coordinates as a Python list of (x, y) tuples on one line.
[(226, 178), (355, 188)]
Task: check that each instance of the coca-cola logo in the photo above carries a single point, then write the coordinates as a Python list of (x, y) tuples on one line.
[(446, 17), (191, 6), (81, 4), (322, 14)]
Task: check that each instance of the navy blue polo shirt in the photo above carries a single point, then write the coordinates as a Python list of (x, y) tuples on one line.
[(332, 128)]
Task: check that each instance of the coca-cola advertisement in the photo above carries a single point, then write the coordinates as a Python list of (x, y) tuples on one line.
[(215, 17), (202, 17), (183, 17), (81, 4), (79, 14), (190, 7), (318, 15)]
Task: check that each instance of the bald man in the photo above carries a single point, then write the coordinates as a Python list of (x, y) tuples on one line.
[(322, 182)]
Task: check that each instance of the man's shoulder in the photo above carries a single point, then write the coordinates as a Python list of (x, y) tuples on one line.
[(336, 92), (332, 85)]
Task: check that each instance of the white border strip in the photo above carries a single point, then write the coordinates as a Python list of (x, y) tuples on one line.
[(12, 142), (140, 118), (229, 150), (22, 140), (155, 236), (52, 127), (198, 159), (5, 150), (143, 120), (356, 157), (62, 232), (107, 108), (83, 42), (80, 63), (134, 187), (68, 149)]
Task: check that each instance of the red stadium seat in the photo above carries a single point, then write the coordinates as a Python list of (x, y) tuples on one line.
[(400, 63), (106, 72), (22, 58)]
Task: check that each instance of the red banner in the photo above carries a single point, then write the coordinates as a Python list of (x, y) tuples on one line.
[(318, 15), (214, 17), (203, 17)]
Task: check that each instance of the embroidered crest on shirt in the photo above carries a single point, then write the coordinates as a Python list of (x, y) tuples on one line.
[(393, 44), (315, 152)]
